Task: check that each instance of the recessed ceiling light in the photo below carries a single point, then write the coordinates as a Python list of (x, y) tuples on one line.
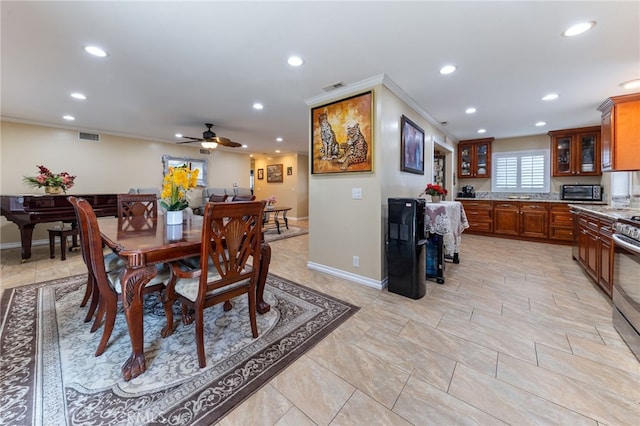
[(78, 96), (447, 69), (178, 135), (631, 84), (541, 123), (482, 130), (69, 117), (278, 139), (579, 28), (277, 151), (550, 97), (295, 61), (95, 51), (258, 105), (470, 110)]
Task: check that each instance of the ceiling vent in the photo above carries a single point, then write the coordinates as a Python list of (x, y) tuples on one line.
[(205, 151), (333, 86), (84, 136)]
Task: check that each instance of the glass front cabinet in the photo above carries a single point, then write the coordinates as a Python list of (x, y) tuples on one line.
[(576, 152), (474, 158)]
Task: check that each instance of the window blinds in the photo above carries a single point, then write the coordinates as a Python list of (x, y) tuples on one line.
[(521, 171)]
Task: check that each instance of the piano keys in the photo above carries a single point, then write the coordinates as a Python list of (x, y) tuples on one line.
[(28, 210)]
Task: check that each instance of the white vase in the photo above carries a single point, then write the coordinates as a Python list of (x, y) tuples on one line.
[(174, 232), (174, 217)]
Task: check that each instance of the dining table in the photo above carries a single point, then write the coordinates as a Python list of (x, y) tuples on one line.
[(448, 219), (144, 248)]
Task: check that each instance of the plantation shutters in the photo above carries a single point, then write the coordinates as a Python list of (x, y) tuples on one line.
[(520, 171)]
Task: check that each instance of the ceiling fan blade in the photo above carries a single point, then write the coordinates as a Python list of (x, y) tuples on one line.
[(226, 142), (192, 139)]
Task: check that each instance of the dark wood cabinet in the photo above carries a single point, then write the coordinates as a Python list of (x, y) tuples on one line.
[(621, 133), (595, 249), (474, 158), (527, 219), (479, 215), (576, 152), (560, 222)]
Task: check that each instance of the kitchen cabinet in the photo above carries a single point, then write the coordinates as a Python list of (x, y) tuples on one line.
[(576, 152), (474, 158), (560, 222), (527, 219), (621, 133), (479, 215), (595, 249)]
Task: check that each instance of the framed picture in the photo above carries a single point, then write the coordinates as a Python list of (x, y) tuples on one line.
[(200, 164), (274, 173), (342, 135), (412, 147), (260, 174), (289, 171)]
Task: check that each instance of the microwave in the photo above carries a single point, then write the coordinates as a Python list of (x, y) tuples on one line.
[(581, 192)]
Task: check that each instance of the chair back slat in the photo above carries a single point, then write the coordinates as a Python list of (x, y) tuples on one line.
[(137, 211)]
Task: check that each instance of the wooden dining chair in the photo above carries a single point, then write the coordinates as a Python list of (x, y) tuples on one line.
[(137, 211), (216, 198), (106, 281), (229, 267), (243, 198)]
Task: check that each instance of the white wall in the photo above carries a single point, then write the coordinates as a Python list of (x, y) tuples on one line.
[(112, 165), (292, 191)]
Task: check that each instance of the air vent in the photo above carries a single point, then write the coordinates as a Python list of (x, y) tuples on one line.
[(333, 86), (89, 136), (205, 151)]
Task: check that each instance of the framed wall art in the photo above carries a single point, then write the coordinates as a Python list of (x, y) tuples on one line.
[(289, 171), (274, 173), (260, 174), (342, 135), (412, 147)]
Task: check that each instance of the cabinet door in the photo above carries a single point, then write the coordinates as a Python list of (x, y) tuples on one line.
[(483, 160), (465, 158), (583, 245), (606, 264), (592, 254), (506, 218), (607, 135), (562, 156), (587, 160), (534, 221)]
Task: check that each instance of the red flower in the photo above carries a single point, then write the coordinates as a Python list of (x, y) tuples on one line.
[(435, 190)]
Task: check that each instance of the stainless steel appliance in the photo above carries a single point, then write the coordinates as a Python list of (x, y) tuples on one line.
[(581, 192), (626, 282)]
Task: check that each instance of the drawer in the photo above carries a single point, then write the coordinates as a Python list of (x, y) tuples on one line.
[(505, 205), (479, 215), (480, 226), (542, 207), (477, 205), (564, 234)]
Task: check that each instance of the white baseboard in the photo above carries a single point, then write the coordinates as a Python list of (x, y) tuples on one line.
[(378, 285)]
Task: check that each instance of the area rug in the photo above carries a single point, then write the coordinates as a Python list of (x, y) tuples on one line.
[(271, 234), (50, 376)]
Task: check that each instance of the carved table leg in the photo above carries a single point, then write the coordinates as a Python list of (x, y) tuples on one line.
[(134, 281), (265, 258), (26, 234)]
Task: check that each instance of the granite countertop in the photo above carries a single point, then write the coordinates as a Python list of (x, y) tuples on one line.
[(607, 211), (536, 200)]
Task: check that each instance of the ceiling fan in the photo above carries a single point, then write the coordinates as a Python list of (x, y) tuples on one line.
[(210, 140)]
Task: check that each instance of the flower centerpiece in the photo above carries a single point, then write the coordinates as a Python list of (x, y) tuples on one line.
[(175, 185), (271, 202), (435, 191), (53, 183)]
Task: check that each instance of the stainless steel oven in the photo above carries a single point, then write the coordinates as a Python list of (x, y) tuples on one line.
[(626, 282)]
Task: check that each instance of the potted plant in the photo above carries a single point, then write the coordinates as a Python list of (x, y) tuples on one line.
[(53, 183), (175, 185), (435, 192)]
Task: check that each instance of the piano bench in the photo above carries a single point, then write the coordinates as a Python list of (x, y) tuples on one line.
[(63, 233)]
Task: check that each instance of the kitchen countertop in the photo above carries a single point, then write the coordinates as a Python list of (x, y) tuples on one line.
[(534, 200), (607, 211)]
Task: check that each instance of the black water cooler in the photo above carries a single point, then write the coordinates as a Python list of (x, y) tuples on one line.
[(406, 247)]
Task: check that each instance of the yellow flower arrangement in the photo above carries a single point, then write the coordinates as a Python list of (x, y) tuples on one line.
[(175, 185)]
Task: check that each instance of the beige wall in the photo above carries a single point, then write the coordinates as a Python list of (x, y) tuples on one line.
[(341, 227), (112, 165), (292, 191), (533, 142)]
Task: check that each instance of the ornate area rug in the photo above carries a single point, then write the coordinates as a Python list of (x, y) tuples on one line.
[(50, 376), (271, 234)]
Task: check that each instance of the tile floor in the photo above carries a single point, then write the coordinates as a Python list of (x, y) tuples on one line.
[(516, 335)]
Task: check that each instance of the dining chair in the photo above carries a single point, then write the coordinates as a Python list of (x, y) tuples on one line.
[(215, 198), (239, 197), (105, 276), (137, 211), (229, 267)]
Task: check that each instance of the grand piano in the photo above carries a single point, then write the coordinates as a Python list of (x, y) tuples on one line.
[(28, 210)]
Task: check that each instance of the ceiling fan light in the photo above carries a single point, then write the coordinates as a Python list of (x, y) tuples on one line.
[(209, 145)]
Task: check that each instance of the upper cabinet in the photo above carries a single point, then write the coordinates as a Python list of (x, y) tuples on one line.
[(474, 158), (621, 133), (576, 152)]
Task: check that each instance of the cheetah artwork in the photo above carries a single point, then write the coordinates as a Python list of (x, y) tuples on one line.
[(356, 149), (330, 145)]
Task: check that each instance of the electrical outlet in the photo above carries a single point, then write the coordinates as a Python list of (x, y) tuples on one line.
[(356, 261)]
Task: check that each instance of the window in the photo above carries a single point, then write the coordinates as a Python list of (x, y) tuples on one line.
[(193, 164), (520, 171)]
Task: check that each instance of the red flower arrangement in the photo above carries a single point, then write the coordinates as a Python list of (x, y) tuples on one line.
[(52, 180), (435, 190)]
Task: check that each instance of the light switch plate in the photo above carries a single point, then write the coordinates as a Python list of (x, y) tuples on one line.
[(356, 193)]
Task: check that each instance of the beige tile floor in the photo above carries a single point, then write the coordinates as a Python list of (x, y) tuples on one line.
[(516, 335)]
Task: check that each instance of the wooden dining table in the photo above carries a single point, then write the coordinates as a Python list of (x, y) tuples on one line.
[(143, 249)]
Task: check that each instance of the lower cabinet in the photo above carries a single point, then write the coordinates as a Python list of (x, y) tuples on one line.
[(560, 222), (527, 219), (479, 215), (595, 250)]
